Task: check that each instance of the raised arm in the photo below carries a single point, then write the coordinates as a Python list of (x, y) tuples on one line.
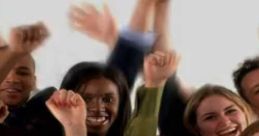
[(23, 40), (161, 25), (69, 109), (157, 69), (175, 92), (128, 50)]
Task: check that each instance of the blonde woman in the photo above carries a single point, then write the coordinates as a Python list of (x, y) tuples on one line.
[(216, 111)]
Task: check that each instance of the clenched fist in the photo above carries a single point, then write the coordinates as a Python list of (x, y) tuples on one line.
[(24, 39)]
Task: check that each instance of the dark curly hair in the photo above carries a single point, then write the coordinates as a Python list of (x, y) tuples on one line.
[(244, 68)]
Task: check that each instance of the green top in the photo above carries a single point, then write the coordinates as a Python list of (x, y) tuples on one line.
[(144, 121)]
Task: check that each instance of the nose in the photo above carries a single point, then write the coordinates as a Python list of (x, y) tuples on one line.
[(224, 121), (12, 78), (96, 105)]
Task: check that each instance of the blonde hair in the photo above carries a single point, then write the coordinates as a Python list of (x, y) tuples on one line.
[(190, 117)]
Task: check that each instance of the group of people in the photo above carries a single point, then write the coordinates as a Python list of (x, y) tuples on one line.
[(93, 98)]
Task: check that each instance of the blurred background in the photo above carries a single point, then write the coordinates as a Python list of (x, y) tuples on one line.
[(212, 36)]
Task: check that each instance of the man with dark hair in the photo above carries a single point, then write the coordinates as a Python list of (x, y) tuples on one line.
[(247, 82)]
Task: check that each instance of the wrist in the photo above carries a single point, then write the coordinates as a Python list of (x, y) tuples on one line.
[(76, 129), (16, 54)]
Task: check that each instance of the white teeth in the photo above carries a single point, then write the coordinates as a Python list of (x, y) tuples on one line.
[(96, 119), (11, 90), (228, 131)]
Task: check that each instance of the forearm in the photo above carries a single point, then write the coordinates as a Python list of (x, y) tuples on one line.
[(142, 15), (7, 61), (161, 24)]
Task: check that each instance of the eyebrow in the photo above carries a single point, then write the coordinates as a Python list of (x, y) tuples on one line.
[(211, 113), (229, 107), (23, 68)]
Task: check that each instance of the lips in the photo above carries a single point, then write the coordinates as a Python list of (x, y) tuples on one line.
[(97, 121), (231, 130), (11, 90)]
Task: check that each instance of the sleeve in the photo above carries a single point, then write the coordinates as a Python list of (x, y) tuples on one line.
[(172, 110), (128, 54), (144, 122)]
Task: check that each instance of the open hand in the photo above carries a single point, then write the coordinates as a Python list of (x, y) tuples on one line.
[(96, 24)]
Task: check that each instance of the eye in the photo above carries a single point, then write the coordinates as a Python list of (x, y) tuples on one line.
[(211, 117), (230, 111), (107, 99), (23, 73), (88, 99), (256, 91)]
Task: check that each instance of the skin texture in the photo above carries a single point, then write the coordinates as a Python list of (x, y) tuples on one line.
[(3, 112), (70, 110), (158, 66), (250, 86), (22, 41), (102, 98), (99, 25), (20, 81), (218, 116)]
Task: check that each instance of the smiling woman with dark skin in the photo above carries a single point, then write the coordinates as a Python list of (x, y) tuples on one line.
[(105, 92)]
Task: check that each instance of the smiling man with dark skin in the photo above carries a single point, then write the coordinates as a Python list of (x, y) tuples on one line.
[(17, 77), (20, 81)]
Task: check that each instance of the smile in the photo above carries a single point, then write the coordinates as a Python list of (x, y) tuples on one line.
[(229, 131), (97, 121)]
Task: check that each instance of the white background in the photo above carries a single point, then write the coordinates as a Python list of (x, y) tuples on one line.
[(213, 36)]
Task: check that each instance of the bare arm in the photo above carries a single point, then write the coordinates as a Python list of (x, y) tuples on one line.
[(141, 20)]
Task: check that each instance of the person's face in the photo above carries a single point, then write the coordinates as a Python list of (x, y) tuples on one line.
[(250, 86), (102, 100), (218, 116), (20, 81)]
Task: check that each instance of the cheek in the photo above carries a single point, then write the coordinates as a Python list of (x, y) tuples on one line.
[(240, 119), (115, 108), (207, 128), (29, 83)]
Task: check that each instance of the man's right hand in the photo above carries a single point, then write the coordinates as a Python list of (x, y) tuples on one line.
[(24, 39)]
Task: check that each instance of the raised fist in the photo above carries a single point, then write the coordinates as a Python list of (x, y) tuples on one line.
[(24, 39)]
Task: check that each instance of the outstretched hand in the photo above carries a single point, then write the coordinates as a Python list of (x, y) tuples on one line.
[(99, 25), (3, 112), (159, 66), (24, 39)]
